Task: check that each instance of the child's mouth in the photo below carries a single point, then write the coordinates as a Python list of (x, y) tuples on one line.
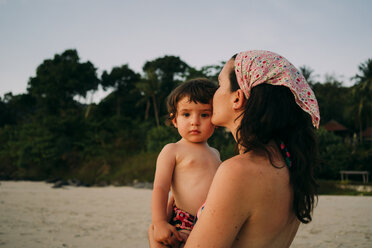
[(194, 132)]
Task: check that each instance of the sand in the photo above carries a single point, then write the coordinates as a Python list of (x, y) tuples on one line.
[(32, 214)]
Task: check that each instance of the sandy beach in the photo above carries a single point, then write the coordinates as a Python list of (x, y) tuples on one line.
[(33, 214)]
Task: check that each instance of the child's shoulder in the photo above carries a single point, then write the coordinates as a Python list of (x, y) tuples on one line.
[(171, 147), (215, 150)]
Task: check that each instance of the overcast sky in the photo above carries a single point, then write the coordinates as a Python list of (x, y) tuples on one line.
[(332, 37)]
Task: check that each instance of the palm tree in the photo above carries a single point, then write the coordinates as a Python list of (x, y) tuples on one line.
[(123, 80), (161, 76), (308, 74), (149, 88), (362, 92)]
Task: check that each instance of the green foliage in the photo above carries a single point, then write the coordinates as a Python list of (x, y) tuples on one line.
[(210, 71), (167, 68), (224, 142), (333, 100), (337, 154), (47, 134), (308, 74), (331, 187), (33, 149), (161, 76), (362, 95), (58, 80), (16, 109), (123, 80), (334, 154), (140, 167), (158, 137), (361, 158), (4, 114), (8, 156)]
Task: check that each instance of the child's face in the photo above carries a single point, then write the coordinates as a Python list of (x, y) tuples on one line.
[(193, 120)]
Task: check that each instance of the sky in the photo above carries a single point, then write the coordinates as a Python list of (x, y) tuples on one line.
[(332, 37)]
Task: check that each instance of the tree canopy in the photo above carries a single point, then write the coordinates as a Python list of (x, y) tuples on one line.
[(46, 133), (60, 79)]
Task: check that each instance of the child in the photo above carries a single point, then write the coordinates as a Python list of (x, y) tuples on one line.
[(186, 167)]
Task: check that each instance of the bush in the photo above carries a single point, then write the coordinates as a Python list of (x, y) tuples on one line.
[(224, 142), (139, 167), (334, 155), (361, 158), (337, 155), (158, 137)]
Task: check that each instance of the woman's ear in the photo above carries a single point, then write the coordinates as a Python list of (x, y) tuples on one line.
[(239, 99)]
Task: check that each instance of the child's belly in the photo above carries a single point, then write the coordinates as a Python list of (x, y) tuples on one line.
[(190, 190)]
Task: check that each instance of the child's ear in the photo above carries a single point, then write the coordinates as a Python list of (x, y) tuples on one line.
[(174, 122), (238, 99)]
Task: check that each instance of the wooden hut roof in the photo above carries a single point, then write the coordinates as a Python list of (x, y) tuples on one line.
[(367, 133), (334, 126)]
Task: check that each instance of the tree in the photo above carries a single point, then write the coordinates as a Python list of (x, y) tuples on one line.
[(4, 113), (16, 109), (123, 80), (362, 95), (149, 87), (161, 76), (60, 79), (333, 99), (210, 71), (308, 74), (167, 69)]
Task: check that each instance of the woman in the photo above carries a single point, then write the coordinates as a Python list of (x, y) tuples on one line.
[(259, 197)]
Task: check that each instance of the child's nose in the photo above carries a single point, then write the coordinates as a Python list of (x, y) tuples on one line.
[(195, 120)]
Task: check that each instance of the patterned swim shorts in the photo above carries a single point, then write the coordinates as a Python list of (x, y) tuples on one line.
[(182, 220)]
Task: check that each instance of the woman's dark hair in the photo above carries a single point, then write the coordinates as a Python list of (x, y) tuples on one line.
[(197, 90), (271, 114)]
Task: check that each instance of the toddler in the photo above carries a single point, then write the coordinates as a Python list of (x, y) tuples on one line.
[(187, 167)]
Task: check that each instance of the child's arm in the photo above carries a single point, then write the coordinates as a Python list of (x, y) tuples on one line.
[(162, 182), (170, 208)]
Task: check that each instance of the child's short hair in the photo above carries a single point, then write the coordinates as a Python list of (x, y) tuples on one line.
[(198, 90)]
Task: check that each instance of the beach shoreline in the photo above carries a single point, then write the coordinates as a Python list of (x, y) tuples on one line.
[(33, 214)]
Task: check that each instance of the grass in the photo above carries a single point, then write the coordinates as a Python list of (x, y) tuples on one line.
[(330, 187), (117, 170)]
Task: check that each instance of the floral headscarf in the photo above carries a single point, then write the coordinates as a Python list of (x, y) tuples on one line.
[(253, 68)]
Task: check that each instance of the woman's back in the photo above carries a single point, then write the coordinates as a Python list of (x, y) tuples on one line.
[(271, 221), (262, 200)]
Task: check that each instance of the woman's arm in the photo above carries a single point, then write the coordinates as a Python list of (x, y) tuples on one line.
[(224, 213)]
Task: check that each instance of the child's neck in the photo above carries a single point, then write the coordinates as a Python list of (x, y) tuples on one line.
[(185, 141)]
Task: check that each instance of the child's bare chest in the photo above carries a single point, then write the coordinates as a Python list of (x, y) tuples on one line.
[(197, 160)]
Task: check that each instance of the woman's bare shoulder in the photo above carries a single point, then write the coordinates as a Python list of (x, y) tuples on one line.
[(239, 172), (243, 164), (249, 173)]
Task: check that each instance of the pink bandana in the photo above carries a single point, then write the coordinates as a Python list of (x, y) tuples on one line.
[(253, 68)]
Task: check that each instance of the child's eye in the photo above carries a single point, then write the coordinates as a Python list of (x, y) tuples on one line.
[(204, 115), (186, 114)]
